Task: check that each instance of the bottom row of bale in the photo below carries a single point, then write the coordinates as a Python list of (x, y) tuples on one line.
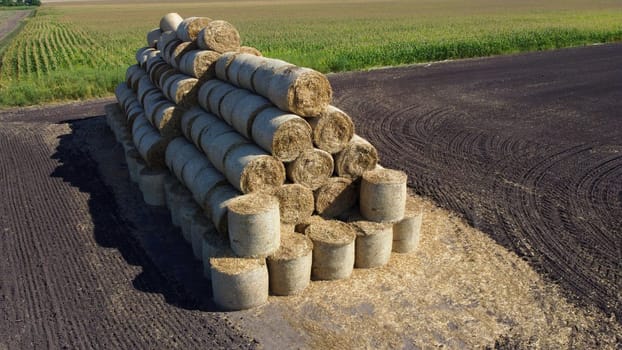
[(316, 248)]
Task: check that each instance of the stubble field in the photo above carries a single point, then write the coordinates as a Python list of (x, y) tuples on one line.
[(77, 50)]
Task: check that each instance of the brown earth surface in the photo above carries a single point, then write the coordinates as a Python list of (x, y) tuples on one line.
[(9, 24), (500, 141)]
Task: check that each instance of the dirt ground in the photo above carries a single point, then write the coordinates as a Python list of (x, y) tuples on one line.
[(88, 265), (8, 25)]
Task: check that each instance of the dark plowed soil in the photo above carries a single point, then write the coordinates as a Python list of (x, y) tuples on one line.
[(7, 26), (528, 148), (74, 272)]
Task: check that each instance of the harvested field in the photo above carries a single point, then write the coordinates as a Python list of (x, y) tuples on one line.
[(91, 266)]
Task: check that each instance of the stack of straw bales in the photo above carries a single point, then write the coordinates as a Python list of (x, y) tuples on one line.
[(266, 179)]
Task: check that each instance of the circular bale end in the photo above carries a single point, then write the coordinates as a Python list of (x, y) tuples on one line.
[(356, 158), (216, 202), (219, 36), (407, 232), (333, 249), (383, 195), (250, 169), (170, 22), (307, 92), (250, 50), (302, 226), (311, 169), (239, 283), (332, 130), (296, 203), (335, 197), (189, 28), (254, 225), (284, 135), (289, 267), (373, 243)]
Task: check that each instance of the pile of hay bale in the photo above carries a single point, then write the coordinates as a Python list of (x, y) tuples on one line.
[(266, 179)]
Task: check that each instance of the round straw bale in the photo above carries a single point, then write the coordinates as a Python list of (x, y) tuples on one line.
[(142, 55), (172, 149), (290, 266), (214, 246), (167, 52), (302, 91), (332, 130), (222, 65), (188, 118), (373, 243), (244, 112), (178, 153), (242, 68), (250, 169), (165, 76), (153, 36), (217, 95), (199, 64), (284, 135), (183, 91), (220, 36), (144, 86), (335, 197), (216, 205), (306, 222), (407, 232), (218, 147), (296, 203), (152, 105), (254, 225), (135, 77), (204, 181), (199, 227), (206, 128), (167, 120), (165, 38), (239, 283), (157, 71), (187, 211), (205, 90), (179, 51), (249, 50), (168, 81), (152, 61), (133, 113), (151, 146), (176, 196), (383, 195), (356, 158), (311, 169), (189, 28), (333, 249), (229, 102), (123, 93), (170, 22), (264, 72), (129, 72)]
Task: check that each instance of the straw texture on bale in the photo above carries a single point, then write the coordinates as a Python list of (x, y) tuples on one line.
[(241, 70), (311, 169), (219, 146), (290, 266), (250, 50), (165, 38), (332, 130), (179, 51), (219, 36), (214, 246), (167, 120), (222, 65), (199, 227), (202, 124), (333, 249), (264, 70), (356, 158), (151, 146), (165, 76), (383, 195), (284, 135), (254, 225), (182, 90), (151, 184), (168, 50), (306, 222), (204, 182), (373, 243), (244, 111), (189, 28), (153, 36), (216, 205), (407, 232), (229, 102), (251, 169), (170, 22), (199, 64), (296, 203), (239, 283), (335, 197), (302, 91)]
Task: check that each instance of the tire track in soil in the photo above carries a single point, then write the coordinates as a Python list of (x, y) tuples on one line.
[(58, 286), (507, 143)]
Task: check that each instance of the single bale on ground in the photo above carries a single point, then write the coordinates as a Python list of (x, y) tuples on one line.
[(251, 169), (254, 225), (219, 36), (373, 243), (407, 232), (239, 283), (311, 169), (356, 158), (284, 135), (333, 249), (296, 203), (153, 36), (170, 22), (189, 28), (383, 195), (289, 267), (335, 197), (332, 130), (199, 64)]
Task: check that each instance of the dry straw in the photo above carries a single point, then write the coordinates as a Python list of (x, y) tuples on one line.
[(332, 130), (179, 51), (383, 195), (216, 205), (153, 36), (214, 245), (284, 135), (290, 266), (302, 91), (222, 144), (373, 243), (165, 38), (301, 227), (251, 169), (170, 22), (223, 63), (407, 232), (244, 113), (254, 225), (356, 158), (312, 168), (167, 120), (199, 64), (239, 283), (296, 203), (219, 36), (189, 28), (250, 50), (333, 249), (229, 102), (335, 197)]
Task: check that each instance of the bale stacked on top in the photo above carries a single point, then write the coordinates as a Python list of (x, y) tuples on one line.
[(252, 148)]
